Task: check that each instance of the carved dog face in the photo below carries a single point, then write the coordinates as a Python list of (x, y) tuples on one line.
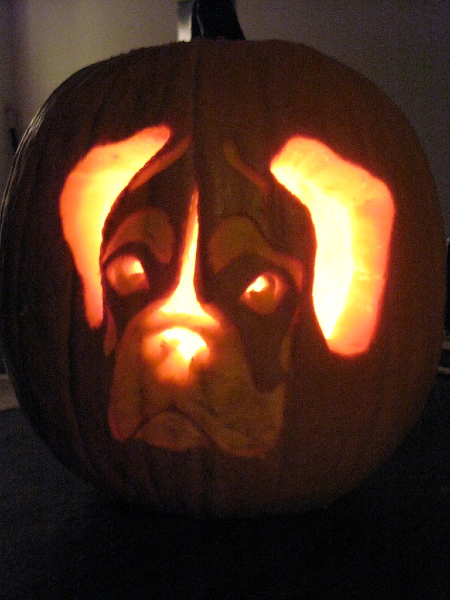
[(199, 295), (188, 371)]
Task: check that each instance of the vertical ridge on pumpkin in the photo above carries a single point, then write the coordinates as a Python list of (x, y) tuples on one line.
[(242, 133)]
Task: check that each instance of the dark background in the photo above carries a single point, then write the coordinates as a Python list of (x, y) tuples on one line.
[(61, 538)]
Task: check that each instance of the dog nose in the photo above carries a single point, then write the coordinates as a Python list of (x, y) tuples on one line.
[(176, 354), (177, 348)]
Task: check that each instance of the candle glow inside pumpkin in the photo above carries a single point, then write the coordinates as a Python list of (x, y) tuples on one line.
[(87, 197), (180, 343), (352, 212)]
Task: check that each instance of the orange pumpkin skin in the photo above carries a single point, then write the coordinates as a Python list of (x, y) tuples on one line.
[(342, 414)]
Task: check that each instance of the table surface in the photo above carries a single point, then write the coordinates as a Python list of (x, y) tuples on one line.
[(61, 538)]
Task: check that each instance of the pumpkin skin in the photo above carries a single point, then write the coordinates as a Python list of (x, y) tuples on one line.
[(342, 413)]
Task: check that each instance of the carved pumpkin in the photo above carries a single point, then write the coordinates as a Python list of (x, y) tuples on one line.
[(222, 276)]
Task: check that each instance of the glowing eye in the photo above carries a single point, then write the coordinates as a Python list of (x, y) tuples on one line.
[(265, 293), (127, 275)]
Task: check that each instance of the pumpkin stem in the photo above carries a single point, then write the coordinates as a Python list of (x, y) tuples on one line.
[(214, 19)]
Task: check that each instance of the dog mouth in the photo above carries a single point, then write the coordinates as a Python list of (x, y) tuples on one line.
[(187, 426), (172, 430)]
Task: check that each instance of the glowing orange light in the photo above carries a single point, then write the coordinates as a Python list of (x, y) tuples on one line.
[(265, 293), (183, 320), (172, 351), (184, 300), (261, 283), (135, 267), (352, 212), (187, 342), (126, 275), (87, 197)]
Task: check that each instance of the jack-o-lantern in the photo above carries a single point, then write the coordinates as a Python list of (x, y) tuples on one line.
[(222, 276)]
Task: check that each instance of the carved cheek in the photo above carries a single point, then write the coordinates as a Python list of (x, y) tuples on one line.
[(261, 292)]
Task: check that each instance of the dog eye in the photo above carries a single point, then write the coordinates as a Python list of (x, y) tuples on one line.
[(126, 275), (265, 293)]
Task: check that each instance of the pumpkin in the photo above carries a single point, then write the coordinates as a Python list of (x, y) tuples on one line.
[(222, 277)]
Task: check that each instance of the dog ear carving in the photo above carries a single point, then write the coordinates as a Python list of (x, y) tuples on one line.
[(89, 193), (353, 213)]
